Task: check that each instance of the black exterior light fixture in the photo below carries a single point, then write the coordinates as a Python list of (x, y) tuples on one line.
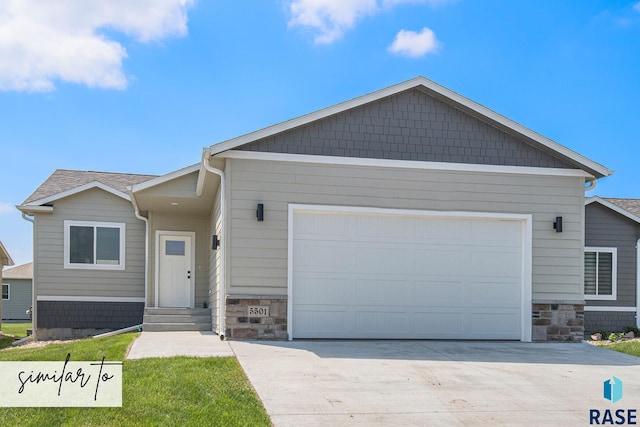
[(260, 212), (215, 242), (558, 224)]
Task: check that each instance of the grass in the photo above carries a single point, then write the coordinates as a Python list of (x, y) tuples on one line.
[(173, 391), (628, 347), (17, 330), (13, 331)]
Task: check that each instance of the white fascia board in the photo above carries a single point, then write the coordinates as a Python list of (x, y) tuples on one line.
[(165, 178), (608, 308), (80, 189), (89, 298), (392, 90), (615, 208), (29, 209), (401, 164)]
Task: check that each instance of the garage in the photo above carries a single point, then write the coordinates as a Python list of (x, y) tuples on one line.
[(369, 273)]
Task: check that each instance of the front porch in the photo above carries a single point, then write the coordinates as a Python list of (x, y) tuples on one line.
[(158, 319)]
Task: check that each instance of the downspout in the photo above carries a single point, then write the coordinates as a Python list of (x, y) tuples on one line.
[(592, 184), (638, 283), (136, 211), (34, 296), (223, 282)]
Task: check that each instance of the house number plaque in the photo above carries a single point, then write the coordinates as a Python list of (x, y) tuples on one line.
[(258, 311)]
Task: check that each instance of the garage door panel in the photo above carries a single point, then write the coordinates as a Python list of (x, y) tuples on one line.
[(406, 276)]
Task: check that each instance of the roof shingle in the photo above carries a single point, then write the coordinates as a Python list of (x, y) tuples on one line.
[(24, 271), (63, 179), (630, 205)]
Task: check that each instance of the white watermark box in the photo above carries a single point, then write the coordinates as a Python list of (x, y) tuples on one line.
[(61, 384)]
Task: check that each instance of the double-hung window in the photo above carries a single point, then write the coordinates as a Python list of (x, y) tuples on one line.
[(5, 291), (600, 271), (94, 245)]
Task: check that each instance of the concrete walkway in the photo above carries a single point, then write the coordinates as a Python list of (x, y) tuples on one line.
[(183, 343), (429, 383)]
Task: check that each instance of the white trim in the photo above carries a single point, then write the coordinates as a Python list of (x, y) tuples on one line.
[(165, 178), (607, 308), (121, 226), (527, 239), (423, 84), (190, 234), (88, 298), (401, 164), (614, 273), (8, 285), (34, 209), (4, 254), (80, 189), (613, 207)]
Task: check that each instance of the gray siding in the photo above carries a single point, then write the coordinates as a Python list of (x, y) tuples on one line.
[(606, 228), (20, 299), (91, 205), (259, 249), (410, 125), (215, 258)]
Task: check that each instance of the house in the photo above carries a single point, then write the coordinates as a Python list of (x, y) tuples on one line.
[(5, 259), (612, 256), (410, 212), (17, 292)]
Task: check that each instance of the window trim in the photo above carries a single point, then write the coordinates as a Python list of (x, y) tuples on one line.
[(95, 224), (8, 298), (614, 274)]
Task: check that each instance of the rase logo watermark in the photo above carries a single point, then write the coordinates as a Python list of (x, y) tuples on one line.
[(61, 384), (613, 390)]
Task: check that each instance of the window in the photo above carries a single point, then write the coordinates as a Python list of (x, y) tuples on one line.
[(5, 291), (600, 271), (94, 245)]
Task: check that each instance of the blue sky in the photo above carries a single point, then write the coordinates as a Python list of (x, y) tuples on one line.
[(143, 86)]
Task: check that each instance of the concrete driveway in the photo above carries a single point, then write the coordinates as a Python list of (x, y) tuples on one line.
[(431, 383)]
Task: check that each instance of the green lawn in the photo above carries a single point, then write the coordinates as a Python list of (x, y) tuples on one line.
[(629, 347), (180, 391), (18, 330)]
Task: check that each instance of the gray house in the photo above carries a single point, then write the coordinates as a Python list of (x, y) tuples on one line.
[(16, 292), (612, 254), (411, 212), (5, 259)]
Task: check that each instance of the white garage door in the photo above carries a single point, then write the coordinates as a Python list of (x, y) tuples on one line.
[(387, 274)]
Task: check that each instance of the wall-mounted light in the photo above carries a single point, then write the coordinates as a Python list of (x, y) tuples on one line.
[(260, 212), (558, 224), (215, 242)]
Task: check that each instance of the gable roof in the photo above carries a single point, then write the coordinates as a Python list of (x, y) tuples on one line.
[(439, 92), (24, 271), (64, 182), (5, 258), (629, 208)]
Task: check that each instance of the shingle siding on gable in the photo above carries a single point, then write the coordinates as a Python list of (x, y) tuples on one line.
[(408, 126), (606, 228)]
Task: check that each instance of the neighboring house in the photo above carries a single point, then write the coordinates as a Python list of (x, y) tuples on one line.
[(5, 259), (17, 292), (612, 255), (411, 212)]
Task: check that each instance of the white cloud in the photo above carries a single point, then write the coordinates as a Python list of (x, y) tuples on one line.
[(45, 41), (330, 19), (414, 45)]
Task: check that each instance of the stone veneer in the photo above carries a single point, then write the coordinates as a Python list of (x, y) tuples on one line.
[(558, 322), (240, 326)]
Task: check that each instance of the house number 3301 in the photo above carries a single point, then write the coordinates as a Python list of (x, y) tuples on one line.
[(258, 311)]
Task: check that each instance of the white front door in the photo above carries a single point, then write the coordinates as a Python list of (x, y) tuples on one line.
[(175, 271)]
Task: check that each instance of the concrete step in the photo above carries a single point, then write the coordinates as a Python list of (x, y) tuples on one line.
[(176, 318), (165, 327), (163, 310)]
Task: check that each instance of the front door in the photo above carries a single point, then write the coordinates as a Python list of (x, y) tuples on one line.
[(175, 274)]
